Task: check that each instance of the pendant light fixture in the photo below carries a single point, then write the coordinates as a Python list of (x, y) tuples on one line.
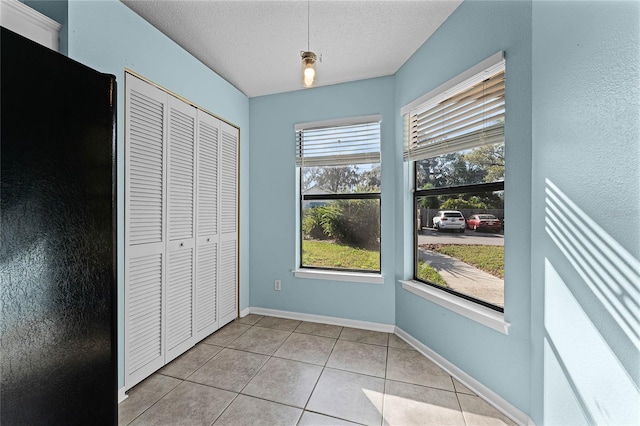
[(309, 59)]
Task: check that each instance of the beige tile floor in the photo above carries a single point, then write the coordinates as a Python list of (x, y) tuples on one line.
[(271, 371)]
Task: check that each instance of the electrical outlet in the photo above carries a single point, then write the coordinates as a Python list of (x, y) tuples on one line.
[(277, 285)]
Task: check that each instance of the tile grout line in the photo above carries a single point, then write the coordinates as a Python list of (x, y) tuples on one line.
[(265, 363), (384, 384), (158, 400), (455, 391), (245, 385), (237, 393), (464, 419), (324, 367)]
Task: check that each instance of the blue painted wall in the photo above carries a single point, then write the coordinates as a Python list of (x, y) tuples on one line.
[(273, 201), (109, 37), (585, 290), (475, 31)]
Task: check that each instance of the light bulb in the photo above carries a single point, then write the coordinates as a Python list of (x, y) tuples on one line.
[(309, 76), (308, 68)]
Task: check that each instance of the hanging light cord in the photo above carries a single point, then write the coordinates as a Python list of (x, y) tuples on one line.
[(308, 24)]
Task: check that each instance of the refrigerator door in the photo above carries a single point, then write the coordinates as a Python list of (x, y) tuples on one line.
[(57, 255)]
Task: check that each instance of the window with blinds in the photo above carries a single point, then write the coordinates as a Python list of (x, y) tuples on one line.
[(338, 144), (454, 136), (339, 167), (458, 115)]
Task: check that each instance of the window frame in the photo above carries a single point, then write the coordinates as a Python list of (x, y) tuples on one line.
[(414, 151), (332, 197), (450, 190), (334, 272)]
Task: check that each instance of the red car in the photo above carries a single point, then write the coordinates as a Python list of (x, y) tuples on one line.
[(484, 222)]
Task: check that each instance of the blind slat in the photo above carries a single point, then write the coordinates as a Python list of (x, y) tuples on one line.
[(473, 104), (338, 145), (484, 114), (464, 119), (476, 139), (494, 86)]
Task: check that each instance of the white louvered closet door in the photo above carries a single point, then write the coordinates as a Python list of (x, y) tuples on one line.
[(181, 227), (144, 229), (181, 206), (228, 287), (207, 234)]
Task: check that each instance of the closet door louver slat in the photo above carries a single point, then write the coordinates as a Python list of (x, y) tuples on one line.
[(145, 182), (206, 309), (179, 298), (207, 223), (181, 177), (229, 160), (181, 174), (145, 312), (228, 281), (207, 180), (228, 230), (145, 133)]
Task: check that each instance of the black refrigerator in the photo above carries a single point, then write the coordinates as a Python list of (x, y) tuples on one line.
[(58, 239)]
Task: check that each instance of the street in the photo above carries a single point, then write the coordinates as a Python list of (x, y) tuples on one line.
[(431, 236)]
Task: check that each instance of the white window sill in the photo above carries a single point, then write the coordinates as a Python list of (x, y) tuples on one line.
[(324, 274), (474, 311)]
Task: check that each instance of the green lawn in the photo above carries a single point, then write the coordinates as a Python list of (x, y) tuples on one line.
[(428, 273), (331, 255), (487, 258)]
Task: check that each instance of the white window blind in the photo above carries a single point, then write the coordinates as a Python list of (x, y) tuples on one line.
[(338, 143), (464, 113)]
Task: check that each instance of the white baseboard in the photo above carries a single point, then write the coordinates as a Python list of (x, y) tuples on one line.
[(478, 388), (365, 325), (121, 395), (245, 312)]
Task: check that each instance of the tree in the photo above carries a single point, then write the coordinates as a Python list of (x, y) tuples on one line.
[(460, 203), (489, 159), (483, 164), (460, 172), (331, 179), (370, 180), (429, 202), (434, 171)]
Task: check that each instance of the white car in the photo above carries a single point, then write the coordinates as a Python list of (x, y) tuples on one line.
[(449, 219)]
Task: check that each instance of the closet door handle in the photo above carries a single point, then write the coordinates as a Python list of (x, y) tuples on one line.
[(181, 244)]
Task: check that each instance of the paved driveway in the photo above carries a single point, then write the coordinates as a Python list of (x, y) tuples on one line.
[(431, 236)]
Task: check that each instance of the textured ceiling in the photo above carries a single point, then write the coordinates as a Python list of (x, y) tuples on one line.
[(255, 45)]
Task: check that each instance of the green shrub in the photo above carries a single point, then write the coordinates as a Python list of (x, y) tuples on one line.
[(317, 222), (359, 223), (350, 222), (461, 203)]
